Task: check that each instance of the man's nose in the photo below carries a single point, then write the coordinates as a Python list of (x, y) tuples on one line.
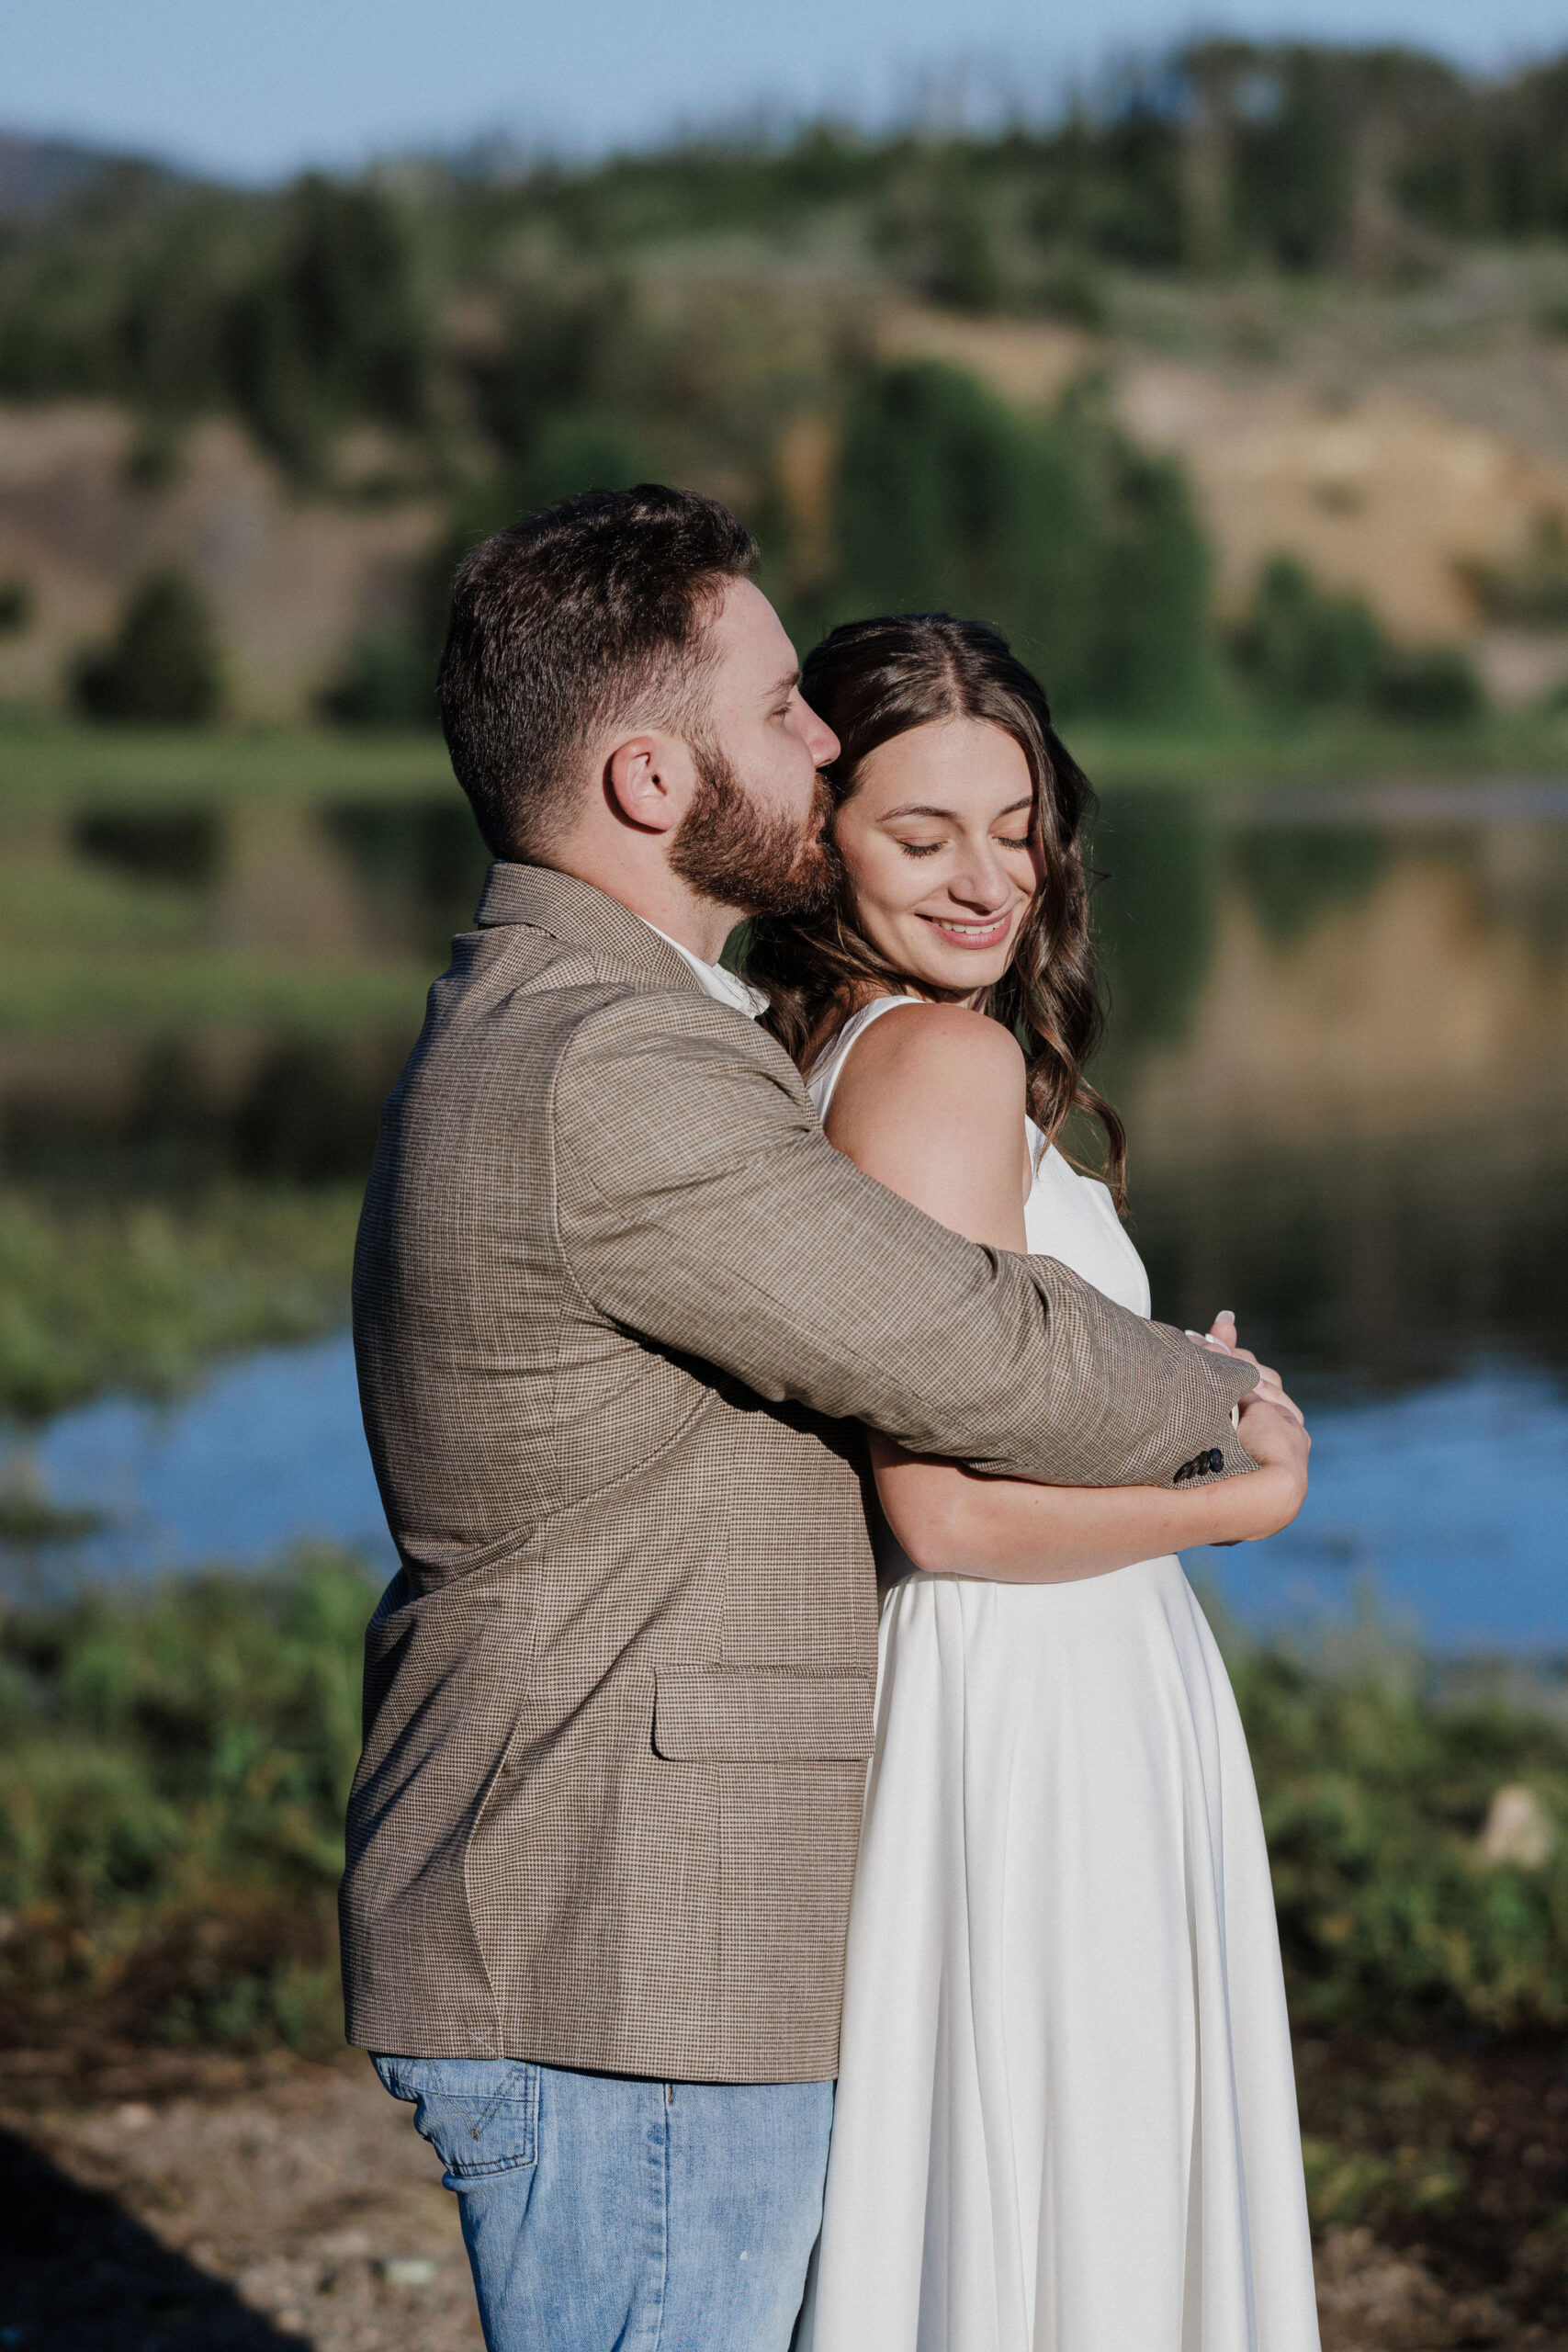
[(820, 740)]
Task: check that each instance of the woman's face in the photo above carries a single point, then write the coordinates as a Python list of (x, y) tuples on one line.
[(935, 842)]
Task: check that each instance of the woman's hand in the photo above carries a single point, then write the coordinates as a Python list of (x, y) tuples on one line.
[(1275, 1437), (1273, 1430), (1271, 1390)]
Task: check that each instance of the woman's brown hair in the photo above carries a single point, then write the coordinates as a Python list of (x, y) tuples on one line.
[(873, 680)]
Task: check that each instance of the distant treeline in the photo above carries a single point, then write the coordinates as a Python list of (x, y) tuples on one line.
[(498, 340), (328, 297)]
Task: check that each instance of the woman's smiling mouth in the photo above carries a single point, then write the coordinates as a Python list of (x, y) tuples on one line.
[(989, 933)]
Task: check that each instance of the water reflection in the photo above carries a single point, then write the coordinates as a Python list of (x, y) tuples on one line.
[(1342, 1050), (1339, 1036)]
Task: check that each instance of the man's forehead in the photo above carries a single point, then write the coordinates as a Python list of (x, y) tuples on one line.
[(748, 629)]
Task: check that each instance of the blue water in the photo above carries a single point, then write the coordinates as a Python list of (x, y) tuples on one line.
[(268, 1453), (1448, 1506)]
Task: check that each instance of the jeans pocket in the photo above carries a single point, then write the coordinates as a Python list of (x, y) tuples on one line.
[(480, 2115)]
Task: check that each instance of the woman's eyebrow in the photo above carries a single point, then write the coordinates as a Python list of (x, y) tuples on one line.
[(922, 808)]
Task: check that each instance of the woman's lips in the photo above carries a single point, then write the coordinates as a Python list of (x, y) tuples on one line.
[(970, 934)]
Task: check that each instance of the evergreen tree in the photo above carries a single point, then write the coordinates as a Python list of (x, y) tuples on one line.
[(1084, 553), (162, 667)]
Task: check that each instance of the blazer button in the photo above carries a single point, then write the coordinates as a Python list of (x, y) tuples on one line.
[(1216, 1459)]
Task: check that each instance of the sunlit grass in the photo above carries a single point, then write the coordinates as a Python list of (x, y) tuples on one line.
[(45, 762)]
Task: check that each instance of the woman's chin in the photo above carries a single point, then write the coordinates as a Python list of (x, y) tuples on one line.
[(960, 974)]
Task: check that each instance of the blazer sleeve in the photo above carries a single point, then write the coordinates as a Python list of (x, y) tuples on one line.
[(700, 1204)]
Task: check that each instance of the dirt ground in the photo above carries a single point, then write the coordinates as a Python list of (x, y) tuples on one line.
[(201, 2204), (211, 2205)]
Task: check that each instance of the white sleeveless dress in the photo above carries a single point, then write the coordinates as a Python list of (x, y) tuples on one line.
[(1066, 2114)]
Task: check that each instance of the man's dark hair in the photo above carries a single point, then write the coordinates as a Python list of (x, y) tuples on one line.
[(575, 620)]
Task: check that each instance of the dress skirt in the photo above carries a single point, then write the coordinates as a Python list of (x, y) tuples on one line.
[(1066, 2114)]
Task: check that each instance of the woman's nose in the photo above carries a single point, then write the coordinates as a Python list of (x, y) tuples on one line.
[(982, 882)]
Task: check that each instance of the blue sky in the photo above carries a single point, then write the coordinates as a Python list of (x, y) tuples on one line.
[(253, 88)]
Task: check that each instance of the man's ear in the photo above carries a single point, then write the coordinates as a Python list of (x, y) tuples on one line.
[(648, 781)]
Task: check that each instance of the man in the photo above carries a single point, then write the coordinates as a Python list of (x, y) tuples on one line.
[(619, 1312)]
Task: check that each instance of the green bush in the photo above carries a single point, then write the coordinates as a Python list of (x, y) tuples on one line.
[(1374, 1789), (162, 668), (1434, 685), (141, 1294), (173, 1766), (17, 604), (388, 681), (1302, 648), (1533, 591)]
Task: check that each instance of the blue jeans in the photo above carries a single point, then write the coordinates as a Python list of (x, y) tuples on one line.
[(603, 2214)]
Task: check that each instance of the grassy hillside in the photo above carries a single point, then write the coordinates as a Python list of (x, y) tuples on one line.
[(429, 350)]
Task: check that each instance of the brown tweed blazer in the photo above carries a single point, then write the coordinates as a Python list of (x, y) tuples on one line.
[(619, 1309)]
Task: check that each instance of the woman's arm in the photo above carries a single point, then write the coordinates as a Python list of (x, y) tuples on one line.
[(932, 1104)]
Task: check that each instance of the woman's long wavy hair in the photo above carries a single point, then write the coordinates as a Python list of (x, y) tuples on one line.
[(876, 679)]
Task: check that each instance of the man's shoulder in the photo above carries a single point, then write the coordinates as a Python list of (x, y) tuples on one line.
[(618, 1033)]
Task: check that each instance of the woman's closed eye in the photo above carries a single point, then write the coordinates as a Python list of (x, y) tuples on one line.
[(930, 849)]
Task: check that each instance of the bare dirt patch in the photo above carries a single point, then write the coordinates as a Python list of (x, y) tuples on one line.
[(204, 2203), (234, 2207)]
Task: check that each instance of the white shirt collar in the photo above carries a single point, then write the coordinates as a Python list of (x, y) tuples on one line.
[(725, 988)]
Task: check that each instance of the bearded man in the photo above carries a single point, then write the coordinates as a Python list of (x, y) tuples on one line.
[(622, 1314)]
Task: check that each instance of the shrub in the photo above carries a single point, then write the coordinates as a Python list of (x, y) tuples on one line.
[(16, 605), (1299, 646), (1433, 686), (140, 1294), (162, 667), (1374, 1789), (1302, 648), (388, 681), (1533, 591), (173, 1766)]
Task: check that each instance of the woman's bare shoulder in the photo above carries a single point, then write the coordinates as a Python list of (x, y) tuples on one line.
[(931, 1102), (941, 1049)]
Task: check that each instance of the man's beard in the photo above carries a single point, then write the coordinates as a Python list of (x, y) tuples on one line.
[(740, 855)]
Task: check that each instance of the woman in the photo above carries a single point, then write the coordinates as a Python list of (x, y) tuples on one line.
[(1065, 2114)]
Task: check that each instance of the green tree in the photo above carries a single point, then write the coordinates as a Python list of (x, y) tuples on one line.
[(1084, 552), (162, 667), (1302, 648), (331, 328), (1298, 646)]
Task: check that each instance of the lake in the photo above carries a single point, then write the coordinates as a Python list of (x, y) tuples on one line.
[(1340, 1037)]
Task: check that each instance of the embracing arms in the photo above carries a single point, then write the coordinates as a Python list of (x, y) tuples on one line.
[(699, 1203), (932, 1104)]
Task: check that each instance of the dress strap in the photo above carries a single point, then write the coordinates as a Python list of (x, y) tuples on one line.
[(831, 1061)]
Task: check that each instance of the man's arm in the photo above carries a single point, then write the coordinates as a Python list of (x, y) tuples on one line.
[(700, 1203)]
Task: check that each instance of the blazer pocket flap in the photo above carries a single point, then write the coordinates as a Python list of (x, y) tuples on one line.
[(738, 1715)]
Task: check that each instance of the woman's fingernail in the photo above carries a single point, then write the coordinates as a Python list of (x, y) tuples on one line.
[(1194, 1334)]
